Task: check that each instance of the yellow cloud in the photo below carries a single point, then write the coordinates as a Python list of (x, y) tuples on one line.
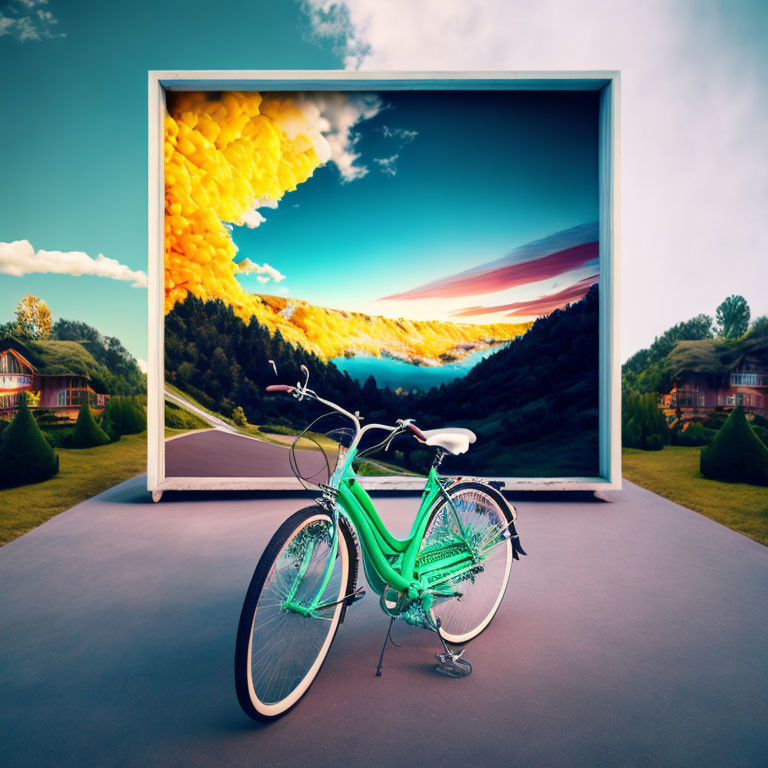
[(223, 158)]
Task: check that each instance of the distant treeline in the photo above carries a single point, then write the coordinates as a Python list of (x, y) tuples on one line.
[(533, 404), (118, 372)]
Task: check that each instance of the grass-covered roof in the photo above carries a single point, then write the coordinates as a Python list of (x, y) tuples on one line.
[(713, 356), (54, 358)]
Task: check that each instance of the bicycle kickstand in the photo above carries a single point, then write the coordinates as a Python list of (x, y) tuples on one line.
[(387, 639), (449, 663)]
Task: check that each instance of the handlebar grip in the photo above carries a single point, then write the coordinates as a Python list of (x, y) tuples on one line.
[(417, 432), (280, 388)]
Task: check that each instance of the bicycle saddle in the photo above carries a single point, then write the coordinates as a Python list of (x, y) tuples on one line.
[(455, 440)]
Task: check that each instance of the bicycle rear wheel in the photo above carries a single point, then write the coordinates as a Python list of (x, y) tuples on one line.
[(485, 524), (279, 651)]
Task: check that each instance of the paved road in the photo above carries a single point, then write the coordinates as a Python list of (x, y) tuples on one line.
[(633, 635), (215, 453)]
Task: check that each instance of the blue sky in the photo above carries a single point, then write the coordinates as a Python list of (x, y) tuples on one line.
[(484, 172), (74, 133)]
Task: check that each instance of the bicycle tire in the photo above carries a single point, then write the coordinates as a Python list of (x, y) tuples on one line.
[(258, 686), (459, 624)]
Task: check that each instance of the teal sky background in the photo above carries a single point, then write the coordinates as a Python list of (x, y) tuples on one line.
[(74, 133), (487, 171)]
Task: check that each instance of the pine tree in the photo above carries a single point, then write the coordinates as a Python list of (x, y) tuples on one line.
[(25, 456)]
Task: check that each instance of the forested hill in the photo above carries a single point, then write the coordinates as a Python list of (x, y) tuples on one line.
[(533, 404)]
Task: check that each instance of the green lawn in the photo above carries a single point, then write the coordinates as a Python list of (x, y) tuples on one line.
[(82, 474), (674, 473)]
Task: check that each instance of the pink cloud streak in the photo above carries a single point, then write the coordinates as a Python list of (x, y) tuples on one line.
[(508, 276), (536, 307)]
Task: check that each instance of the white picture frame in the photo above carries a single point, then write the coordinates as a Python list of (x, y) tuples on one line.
[(606, 82)]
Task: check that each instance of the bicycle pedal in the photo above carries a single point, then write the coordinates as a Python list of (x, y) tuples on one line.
[(452, 666), (358, 594)]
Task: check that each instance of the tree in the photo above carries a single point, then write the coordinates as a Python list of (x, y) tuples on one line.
[(695, 329), (8, 329), (759, 327), (25, 455), (736, 455), (87, 432), (33, 318), (643, 424), (732, 317)]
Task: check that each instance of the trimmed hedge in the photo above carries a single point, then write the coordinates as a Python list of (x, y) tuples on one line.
[(25, 456), (123, 416), (737, 455), (87, 432), (696, 434)]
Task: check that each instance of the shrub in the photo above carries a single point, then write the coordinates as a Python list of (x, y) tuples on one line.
[(277, 429), (25, 456), (3, 425), (123, 416), (238, 416), (696, 434), (761, 432), (87, 432), (642, 423), (59, 437), (736, 455)]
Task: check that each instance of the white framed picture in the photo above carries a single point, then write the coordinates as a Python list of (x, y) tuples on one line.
[(441, 247)]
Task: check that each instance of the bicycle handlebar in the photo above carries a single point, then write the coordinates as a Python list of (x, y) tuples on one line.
[(302, 392)]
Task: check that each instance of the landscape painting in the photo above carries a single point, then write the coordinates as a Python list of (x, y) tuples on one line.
[(431, 255)]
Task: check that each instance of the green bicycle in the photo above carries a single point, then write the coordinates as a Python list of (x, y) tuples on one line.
[(448, 576)]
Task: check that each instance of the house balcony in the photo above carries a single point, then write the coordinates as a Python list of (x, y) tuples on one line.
[(752, 379)]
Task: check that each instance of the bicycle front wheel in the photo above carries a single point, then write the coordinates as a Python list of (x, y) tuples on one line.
[(483, 521), (281, 643)]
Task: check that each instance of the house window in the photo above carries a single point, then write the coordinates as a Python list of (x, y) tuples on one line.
[(9, 364), (61, 397)]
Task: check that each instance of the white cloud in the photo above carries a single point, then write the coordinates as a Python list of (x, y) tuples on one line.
[(387, 164), (263, 273), (252, 218), (143, 366), (331, 119), (19, 258), (694, 123), (283, 291), (403, 134), (27, 20)]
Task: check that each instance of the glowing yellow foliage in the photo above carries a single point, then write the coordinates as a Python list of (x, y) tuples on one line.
[(333, 333), (221, 156)]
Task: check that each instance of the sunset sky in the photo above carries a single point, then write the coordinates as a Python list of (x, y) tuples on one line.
[(478, 181)]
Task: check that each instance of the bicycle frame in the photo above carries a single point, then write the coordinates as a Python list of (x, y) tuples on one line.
[(389, 562)]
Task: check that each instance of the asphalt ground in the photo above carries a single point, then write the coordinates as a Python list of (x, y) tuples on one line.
[(634, 634)]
